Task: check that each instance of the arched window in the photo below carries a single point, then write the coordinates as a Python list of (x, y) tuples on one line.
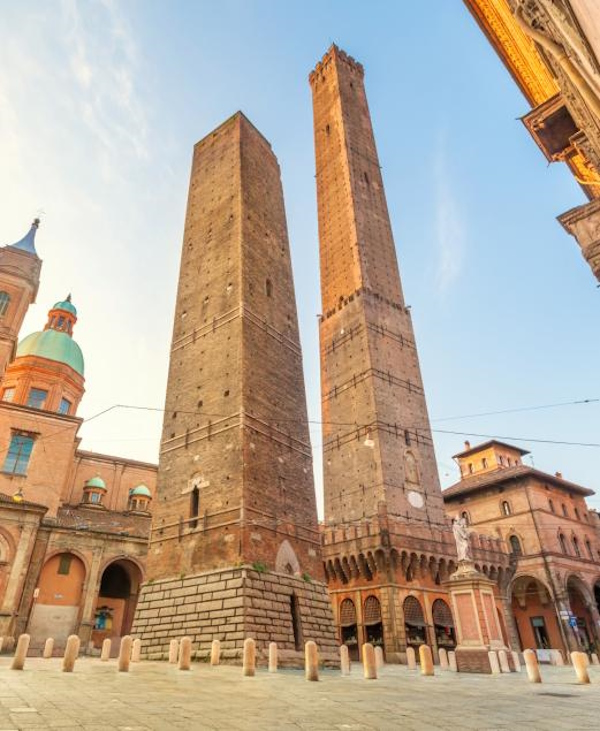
[(505, 508), (551, 506), (576, 546), (372, 610), (347, 613), (577, 514), (194, 507), (565, 511), (563, 544), (465, 515), (4, 302), (588, 546), (515, 546)]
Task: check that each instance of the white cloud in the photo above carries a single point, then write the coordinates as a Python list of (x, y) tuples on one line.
[(450, 228)]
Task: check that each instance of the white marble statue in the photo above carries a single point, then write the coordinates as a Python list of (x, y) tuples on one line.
[(461, 536)]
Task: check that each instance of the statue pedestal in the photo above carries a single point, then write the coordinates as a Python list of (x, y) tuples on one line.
[(477, 623)]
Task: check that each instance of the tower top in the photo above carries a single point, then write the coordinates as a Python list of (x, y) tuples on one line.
[(334, 53), (27, 243)]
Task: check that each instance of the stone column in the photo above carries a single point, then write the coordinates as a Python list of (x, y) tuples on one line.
[(509, 622), (16, 578), (89, 595)]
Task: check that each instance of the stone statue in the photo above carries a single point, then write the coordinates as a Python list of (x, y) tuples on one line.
[(461, 536)]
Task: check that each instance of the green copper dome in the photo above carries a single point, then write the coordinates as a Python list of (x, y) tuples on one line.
[(66, 305), (97, 482), (53, 345), (141, 490)]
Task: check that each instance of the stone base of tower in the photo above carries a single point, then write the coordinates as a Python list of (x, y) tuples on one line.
[(231, 604)]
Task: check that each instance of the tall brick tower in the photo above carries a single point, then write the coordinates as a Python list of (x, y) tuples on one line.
[(377, 445), (235, 545), (387, 546)]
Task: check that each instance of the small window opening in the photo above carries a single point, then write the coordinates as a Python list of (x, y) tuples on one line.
[(194, 507), (64, 565), (269, 288)]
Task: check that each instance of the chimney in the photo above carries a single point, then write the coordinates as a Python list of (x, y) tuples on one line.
[(558, 474), (467, 445)]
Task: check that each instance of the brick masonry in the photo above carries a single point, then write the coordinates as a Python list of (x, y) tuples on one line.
[(233, 604)]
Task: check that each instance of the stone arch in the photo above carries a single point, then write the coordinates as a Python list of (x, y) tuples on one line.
[(534, 612), (443, 624), (581, 603), (116, 598), (286, 561), (7, 546), (372, 620)]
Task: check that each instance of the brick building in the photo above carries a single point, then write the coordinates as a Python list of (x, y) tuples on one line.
[(387, 544), (74, 525), (551, 48), (554, 539), (235, 543)]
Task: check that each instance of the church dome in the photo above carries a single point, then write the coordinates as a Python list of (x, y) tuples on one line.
[(53, 345), (96, 482), (66, 305), (140, 490)]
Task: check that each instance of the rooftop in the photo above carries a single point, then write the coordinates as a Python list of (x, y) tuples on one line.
[(476, 482)]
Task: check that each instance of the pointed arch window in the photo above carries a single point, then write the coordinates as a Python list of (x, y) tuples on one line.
[(506, 508), (576, 546), (515, 546), (4, 302)]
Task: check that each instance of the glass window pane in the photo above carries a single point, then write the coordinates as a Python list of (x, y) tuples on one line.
[(37, 398), (18, 454), (8, 394), (64, 407)]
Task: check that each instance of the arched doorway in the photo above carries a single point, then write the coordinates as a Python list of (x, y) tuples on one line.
[(443, 623), (349, 627), (414, 623), (535, 615), (372, 621), (583, 622), (57, 599), (117, 598)]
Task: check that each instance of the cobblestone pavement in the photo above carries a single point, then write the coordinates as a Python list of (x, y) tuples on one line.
[(95, 697)]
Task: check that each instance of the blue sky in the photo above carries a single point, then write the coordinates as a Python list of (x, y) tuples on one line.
[(101, 103)]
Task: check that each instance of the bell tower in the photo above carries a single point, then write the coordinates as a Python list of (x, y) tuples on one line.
[(20, 268)]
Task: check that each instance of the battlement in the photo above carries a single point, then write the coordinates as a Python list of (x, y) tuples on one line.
[(335, 53)]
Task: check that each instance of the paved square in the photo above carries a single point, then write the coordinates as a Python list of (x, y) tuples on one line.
[(95, 697)]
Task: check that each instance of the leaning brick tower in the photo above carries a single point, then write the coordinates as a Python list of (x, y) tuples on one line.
[(235, 546), (386, 544)]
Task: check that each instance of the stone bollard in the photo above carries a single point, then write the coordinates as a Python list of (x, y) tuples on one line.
[(369, 664), (106, 647), (173, 651), (136, 650), (556, 658), (579, 663), (494, 664), (125, 654), (185, 653), (532, 667), (311, 660), (18, 662), (249, 666), (503, 659), (48, 648), (344, 660), (443, 658), (379, 661), (426, 660), (452, 661), (516, 661), (272, 657), (595, 660), (71, 653), (215, 652), (411, 658)]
